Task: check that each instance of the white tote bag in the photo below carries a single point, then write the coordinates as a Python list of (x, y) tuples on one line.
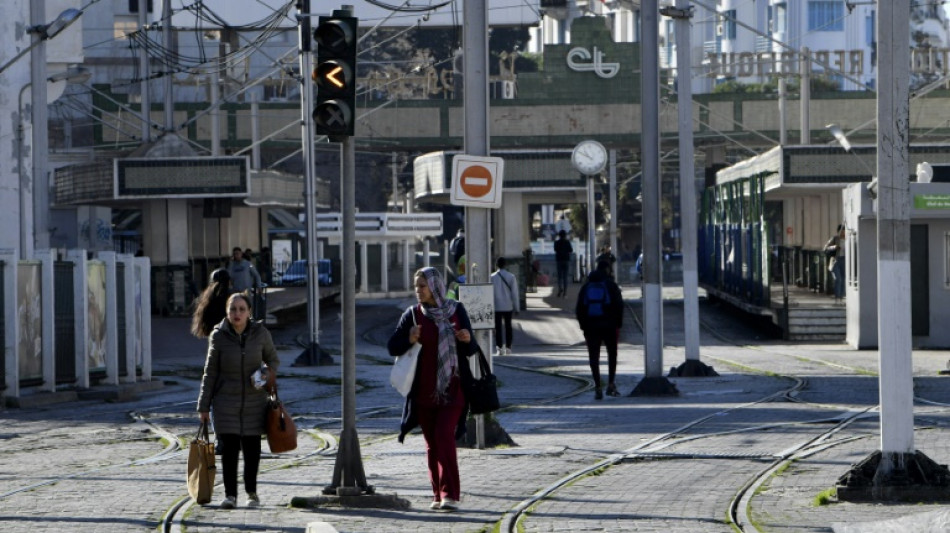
[(404, 369)]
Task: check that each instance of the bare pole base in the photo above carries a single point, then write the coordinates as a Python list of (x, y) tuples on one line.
[(313, 356), (349, 478), (495, 435), (362, 501), (655, 387), (692, 368), (895, 477)]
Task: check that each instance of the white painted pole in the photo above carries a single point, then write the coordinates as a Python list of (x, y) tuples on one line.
[(650, 157), (688, 224), (893, 228)]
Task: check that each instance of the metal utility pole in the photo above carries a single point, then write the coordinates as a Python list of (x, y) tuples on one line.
[(39, 117), (312, 355), (653, 382), (688, 224), (805, 102), (169, 77), (144, 74), (475, 105)]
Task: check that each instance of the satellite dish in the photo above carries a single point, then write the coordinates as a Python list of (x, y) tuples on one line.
[(925, 172)]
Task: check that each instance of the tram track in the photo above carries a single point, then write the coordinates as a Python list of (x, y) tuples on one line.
[(165, 423), (659, 446)]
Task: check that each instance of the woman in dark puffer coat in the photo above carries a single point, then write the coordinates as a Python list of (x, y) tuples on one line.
[(236, 349)]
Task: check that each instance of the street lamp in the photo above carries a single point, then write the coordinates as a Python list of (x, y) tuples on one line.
[(846, 144), (45, 32), (71, 75)]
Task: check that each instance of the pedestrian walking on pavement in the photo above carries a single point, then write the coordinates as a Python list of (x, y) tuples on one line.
[(599, 312), (243, 274), (606, 254), (507, 303), (211, 307), (562, 256), (237, 348), (436, 401)]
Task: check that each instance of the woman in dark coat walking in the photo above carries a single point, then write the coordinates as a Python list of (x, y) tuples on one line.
[(236, 348), (436, 401), (211, 307)]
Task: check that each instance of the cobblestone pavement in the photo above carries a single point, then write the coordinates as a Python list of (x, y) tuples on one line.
[(94, 465)]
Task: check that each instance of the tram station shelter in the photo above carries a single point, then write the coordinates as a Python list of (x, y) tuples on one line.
[(765, 221)]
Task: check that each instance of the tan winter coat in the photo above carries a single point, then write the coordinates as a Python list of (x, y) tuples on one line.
[(226, 390)]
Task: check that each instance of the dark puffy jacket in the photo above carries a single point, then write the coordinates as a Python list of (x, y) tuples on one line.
[(613, 314), (226, 388)]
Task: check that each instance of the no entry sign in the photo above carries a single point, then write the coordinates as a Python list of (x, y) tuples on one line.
[(476, 181)]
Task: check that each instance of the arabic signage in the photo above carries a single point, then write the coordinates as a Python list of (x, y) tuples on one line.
[(580, 59), (742, 64), (851, 62), (932, 201)]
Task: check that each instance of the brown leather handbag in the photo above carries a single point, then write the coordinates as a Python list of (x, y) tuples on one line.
[(281, 431)]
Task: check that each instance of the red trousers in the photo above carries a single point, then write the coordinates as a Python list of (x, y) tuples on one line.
[(438, 427)]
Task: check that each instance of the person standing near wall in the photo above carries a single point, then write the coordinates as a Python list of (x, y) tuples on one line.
[(834, 249), (507, 303), (562, 256)]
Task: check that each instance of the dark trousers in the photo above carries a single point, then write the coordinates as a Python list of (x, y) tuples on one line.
[(562, 268), (231, 445), (503, 318), (837, 272), (438, 427), (594, 337)]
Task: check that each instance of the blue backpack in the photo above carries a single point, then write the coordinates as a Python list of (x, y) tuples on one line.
[(596, 298)]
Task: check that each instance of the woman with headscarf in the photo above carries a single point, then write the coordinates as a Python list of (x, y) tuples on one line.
[(436, 402)]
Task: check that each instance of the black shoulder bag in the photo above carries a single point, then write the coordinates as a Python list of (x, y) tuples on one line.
[(481, 393)]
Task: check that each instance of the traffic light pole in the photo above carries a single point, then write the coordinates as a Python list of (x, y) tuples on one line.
[(349, 478)]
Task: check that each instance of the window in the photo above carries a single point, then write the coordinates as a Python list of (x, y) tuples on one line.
[(825, 15), (729, 24), (781, 18), (852, 257), (670, 39), (946, 260)]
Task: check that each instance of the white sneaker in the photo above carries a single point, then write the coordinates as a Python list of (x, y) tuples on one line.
[(253, 500), (228, 503), (448, 504), (498, 352), (507, 351)]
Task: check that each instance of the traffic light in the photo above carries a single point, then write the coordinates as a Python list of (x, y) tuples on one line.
[(335, 75)]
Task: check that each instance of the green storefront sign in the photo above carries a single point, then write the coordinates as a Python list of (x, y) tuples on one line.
[(932, 201)]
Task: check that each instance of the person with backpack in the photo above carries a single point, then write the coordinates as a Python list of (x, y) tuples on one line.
[(599, 312)]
